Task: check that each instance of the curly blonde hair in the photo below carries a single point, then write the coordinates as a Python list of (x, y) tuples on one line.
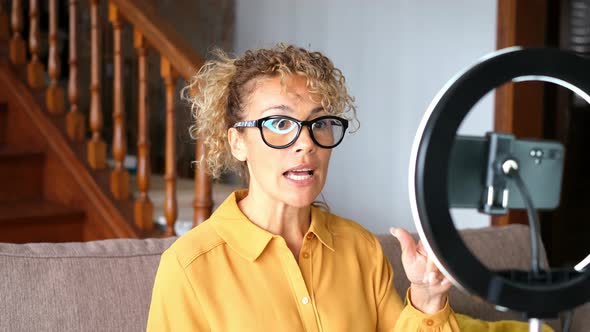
[(221, 87)]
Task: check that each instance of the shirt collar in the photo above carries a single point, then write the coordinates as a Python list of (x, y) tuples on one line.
[(237, 231), (319, 226), (249, 240)]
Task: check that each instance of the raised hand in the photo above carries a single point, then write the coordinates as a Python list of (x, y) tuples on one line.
[(429, 287)]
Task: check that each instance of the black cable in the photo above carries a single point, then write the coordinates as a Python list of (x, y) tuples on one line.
[(567, 320), (535, 227)]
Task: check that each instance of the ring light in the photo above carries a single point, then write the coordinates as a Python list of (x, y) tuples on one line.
[(429, 171)]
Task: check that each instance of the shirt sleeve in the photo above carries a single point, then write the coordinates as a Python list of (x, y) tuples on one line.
[(174, 305)]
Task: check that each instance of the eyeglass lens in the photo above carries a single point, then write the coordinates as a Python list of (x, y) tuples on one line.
[(282, 131)]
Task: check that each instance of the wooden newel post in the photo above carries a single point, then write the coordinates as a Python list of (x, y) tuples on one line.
[(35, 70), (144, 208), (18, 51), (119, 174), (96, 148), (54, 96), (75, 122), (170, 202)]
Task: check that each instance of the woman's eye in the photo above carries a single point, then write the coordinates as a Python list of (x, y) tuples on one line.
[(280, 126), (320, 124)]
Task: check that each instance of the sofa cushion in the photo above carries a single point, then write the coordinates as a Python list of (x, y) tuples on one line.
[(93, 286)]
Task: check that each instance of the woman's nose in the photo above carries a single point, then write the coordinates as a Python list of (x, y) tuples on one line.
[(304, 141)]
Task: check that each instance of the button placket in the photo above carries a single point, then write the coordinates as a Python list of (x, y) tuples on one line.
[(305, 264), (299, 287)]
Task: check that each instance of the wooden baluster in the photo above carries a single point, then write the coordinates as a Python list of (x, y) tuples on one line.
[(35, 70), (4, 23), (202, 204), (54, 96), (119, 175), (170, 203), (75, 123), (18, 51), (144, 208), (96, 148)]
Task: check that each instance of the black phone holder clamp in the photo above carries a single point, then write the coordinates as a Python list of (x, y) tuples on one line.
[(499, 161)]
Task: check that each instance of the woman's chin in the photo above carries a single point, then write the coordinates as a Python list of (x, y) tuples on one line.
[(301, 199)]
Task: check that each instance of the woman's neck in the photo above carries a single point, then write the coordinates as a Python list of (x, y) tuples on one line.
[(278, 218)]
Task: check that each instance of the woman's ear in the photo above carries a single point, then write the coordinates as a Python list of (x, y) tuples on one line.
[(237, 144)]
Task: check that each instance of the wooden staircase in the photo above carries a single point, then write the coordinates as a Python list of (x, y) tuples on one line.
[(25, 215), (55, 185)]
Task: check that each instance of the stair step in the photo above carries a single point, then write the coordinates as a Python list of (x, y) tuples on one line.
[(33, 210), (40, 221), (21, 173)]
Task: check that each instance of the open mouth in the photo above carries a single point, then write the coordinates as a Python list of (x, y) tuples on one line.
[(299, 174)]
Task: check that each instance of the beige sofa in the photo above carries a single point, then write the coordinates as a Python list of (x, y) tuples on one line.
[(106, 285)]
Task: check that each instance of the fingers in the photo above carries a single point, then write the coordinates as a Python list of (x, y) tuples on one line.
[(421, 249), (420, 268), (433, 276), (406, 241), (430, 266)]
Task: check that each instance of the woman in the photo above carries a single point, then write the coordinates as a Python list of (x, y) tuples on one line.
[(269, 258)]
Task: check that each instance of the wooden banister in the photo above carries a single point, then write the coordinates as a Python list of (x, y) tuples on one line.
[(96, 148), (144, 208), (54, 96), (75, 122), (185, 61), (119, 174), (203, 201), (35, 70), (170, 201), (178, 60), (18, 51)]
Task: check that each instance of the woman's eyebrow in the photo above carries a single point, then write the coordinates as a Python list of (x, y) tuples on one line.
[(284, 108), (288, 109)]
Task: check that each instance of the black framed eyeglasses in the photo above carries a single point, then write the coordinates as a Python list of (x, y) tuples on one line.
[(280, 131)]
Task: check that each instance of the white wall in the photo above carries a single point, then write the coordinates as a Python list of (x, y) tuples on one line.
[(396, 55)]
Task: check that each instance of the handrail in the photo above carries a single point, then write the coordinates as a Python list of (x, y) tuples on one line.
[(161, 36)]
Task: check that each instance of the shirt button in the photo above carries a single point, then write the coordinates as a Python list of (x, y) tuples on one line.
[(305, 255), (429, 322), (309, 236), (305, 300)]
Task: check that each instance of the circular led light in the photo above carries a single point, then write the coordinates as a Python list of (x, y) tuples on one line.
[(429, 171)]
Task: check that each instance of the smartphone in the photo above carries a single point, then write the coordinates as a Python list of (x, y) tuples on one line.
[(540, 165)]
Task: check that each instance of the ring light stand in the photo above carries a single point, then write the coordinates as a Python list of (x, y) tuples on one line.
[(538, 296)]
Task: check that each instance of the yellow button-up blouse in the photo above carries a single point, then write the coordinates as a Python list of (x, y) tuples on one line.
[(228, 274)]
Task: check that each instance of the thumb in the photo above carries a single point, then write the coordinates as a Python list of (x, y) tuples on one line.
[(406, 241)]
